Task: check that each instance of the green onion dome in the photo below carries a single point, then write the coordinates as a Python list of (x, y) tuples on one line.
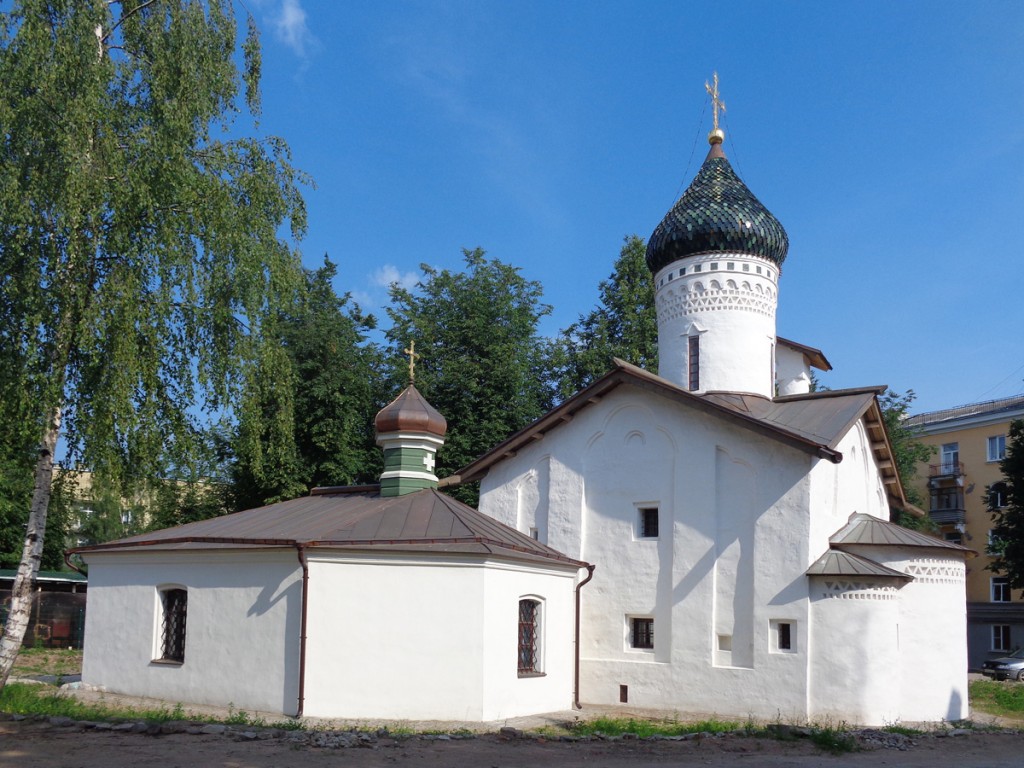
[(716, 214)]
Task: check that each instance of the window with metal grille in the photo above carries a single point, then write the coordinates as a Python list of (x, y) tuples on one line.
[(175, 604), (642, 634), (693, 354), (529, 620), (648, 522)]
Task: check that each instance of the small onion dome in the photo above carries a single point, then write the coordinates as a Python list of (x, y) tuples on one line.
[(409, 412), (716, 214)]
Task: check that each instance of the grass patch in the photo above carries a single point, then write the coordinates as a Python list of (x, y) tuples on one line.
[(47, 661), (903, 730), (47, 701), (608, 726), (1003, 699), (837, 741), (31, 699)]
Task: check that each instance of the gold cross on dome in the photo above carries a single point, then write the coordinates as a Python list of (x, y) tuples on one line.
[(411, 352), (716, 101)]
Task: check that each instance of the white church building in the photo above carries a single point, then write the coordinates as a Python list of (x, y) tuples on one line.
[(712, 538)]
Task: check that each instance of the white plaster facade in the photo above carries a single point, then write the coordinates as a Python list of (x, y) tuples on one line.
[(742, 518), (343, 604)]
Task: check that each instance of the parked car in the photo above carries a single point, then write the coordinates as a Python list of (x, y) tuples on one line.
[(1011, 666)]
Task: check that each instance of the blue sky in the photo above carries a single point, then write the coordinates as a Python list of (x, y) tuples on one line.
[(888, 137)]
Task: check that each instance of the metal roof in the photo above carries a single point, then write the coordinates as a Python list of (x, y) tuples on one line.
[(352, 519), (838, 563), (867, 530), (984, 408), (814, 356)]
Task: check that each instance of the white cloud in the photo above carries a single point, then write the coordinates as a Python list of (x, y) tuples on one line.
[(291, 28), (388, 275)]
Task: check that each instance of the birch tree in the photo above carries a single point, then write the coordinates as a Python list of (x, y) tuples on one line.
[(139, 236)]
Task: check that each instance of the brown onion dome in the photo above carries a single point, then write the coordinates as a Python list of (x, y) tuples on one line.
[(716, 214), (410, 412)]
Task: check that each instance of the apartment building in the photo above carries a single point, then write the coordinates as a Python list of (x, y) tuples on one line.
[(969, 442)]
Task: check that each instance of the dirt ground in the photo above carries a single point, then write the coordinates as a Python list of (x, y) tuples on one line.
[(68, 745), (41, 744)]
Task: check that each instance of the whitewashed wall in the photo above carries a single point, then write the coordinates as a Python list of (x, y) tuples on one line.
[(242, 627), (433, 638), (792, 373), (730, 557)]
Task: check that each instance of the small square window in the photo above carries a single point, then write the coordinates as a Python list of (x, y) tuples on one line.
[(725, 642), (682, 271), (1000, 637), (953, 537), (730, 265), (1000, 589), (997, 448), (696, 267), (641, 633), (746, 267), (714, 266), (782, 636), (647, 523), (759, 270)]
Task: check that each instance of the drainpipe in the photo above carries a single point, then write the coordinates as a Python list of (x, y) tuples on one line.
[(301, 550), (576, 669)]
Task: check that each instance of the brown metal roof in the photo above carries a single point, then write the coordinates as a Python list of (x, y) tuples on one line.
[(867, 530), (815, 357), (340, 518), (837, 563)]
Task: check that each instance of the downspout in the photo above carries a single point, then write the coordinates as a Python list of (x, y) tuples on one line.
[(576, 668), (72, 566), (301, 550)]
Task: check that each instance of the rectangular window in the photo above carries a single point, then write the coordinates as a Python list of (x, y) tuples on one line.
[(648, 523), (953, 537), (1000, 637), (529, 620), (1000, 589), (693, 355), (783, 636), (950, 458), (997, 448), (174, 605), (997, 494), (641, 633)]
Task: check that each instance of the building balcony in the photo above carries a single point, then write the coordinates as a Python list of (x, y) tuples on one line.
[(946, 469), (947, 516)]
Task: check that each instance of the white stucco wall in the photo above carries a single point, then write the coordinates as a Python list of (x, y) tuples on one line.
[(742, 517), (792, 373), (729, 559), (433, 638), (242, 627), (730, 304)]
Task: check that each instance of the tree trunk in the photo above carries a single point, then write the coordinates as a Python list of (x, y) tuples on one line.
[(25, 581)]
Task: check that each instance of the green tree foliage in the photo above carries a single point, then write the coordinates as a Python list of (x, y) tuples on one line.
[(623, 325), (318, 430), (138, 239), (908, 452), (481, 362), (1007, 547), (173, 503)]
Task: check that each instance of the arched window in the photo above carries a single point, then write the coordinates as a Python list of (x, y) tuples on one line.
[(173, 606), (529, 638)]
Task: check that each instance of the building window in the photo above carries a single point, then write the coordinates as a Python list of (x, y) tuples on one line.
[(693, 361), (783, 636), (529, 638), (953, 537), (647, 524), (997, 448), (174, 606), (1000, 589), (950, 458), (1000, 637), (641, 633), (997, 495)]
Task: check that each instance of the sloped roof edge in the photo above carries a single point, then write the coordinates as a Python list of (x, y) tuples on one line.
[(866, 530), (836, 562), (626, 373), (814, 356)]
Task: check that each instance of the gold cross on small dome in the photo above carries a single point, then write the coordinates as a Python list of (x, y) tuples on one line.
[(411, 352)]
